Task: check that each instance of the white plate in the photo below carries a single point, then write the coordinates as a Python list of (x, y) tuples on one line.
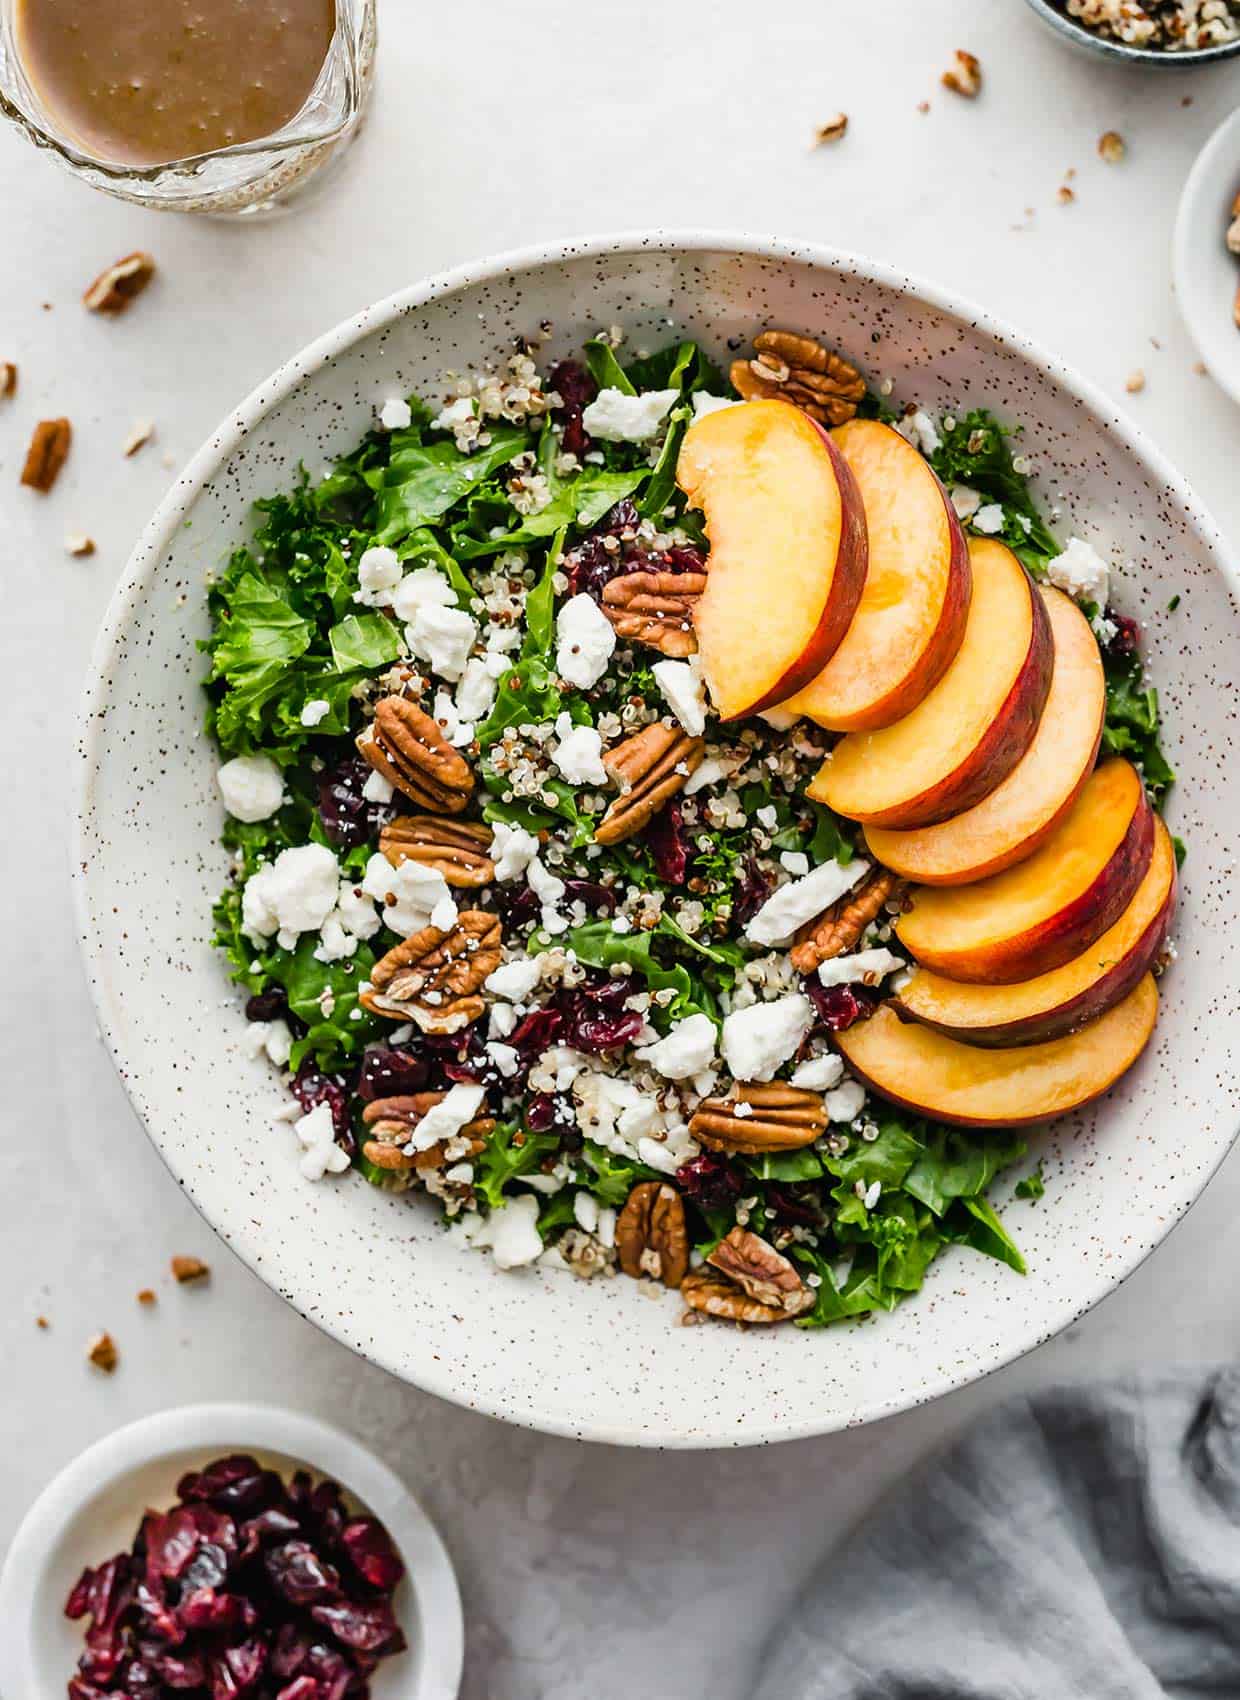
[(1206, 275), (91, 1510), (597, 1359)]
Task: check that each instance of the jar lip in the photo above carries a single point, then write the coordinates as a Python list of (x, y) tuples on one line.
[(326, 113)]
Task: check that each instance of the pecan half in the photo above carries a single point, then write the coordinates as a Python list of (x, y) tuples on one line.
[(650, 767), (754, 1118), (800, 370), (655, 609), (120, 285), (838, 928), (764, 1274), (651, 1238), (391, 1122), (457, 849), (711, 1295), (433, 977), (409, 750), (48, 451)]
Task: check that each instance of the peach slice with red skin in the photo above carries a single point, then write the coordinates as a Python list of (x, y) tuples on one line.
[(921, 1070), (911, 618), (1037, 916), (1052, 1005), (1022, 812), (788, 550), (962, 741)]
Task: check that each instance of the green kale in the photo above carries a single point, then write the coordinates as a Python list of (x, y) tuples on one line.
[(974, 451), (1132, 726), (421, 482), (1033, 1185)]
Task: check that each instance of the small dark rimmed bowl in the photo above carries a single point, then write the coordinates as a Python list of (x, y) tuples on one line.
[(1119, 52)]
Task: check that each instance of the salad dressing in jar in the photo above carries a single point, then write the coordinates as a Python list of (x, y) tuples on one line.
[(138, 83)]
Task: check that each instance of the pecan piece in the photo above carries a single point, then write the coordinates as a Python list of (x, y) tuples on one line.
[(651, 1238), (392, 1122), (433, 977), (655, 609), (456, 849), (189, 1269), (650, 767), (800, 370), (838, 928), (964, 76), (409, 750), (755, 1118), (120, 285), (8, 379), (764, 1274), (48, 451), (102, 1352), (711, 1295)]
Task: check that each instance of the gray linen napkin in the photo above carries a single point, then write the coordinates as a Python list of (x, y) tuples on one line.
[(1080, 1544)]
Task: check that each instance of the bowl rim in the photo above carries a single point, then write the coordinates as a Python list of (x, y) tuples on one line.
[(432, 1376), (1188, 235), (322, 1447), (1160, 57)]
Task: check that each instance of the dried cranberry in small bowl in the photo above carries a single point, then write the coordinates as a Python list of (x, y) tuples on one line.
[(249, 1588)]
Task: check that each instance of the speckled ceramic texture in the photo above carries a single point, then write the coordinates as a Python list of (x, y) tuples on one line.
[(601, 1360)]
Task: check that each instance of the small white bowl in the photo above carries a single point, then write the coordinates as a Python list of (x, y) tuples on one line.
[(92, 1509), (1206, 275)]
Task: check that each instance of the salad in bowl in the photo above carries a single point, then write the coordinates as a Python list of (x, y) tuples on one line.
[(684, 823)]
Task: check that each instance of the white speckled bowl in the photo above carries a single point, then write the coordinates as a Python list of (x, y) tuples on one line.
[(598, 1360)]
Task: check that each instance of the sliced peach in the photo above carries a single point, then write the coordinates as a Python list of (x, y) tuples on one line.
[(787, 550), (1067, 998), (922, 1070), (1046, 910), (911, 618), (1025, 809), (961, 743)]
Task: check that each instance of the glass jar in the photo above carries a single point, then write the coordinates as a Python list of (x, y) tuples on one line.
[(250, 179)]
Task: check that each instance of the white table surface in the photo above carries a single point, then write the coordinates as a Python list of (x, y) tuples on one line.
[(585, 1570)]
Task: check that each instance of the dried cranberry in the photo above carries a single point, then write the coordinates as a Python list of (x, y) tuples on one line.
[(669, 848), (349, 818), (550, 1110), (204, 1608), (684, 558), (238, 1670), (301, 1688), (176, 1670), (108, 1594), (207, 1569), (387, 1071), (298, 1573), (838, 1007), (518, 904), (371, 1628), (80, 1689), (290, 1650), (238, 1484), (576, 389), (271, 1005), (751, 893), (105, 1649), (534, 1032), (331, 1670), (140, 1682), (594, 1018), (310, 1087), (600, 898), (272, 1524), (709, 1182), (156, 1614), (78, 1604), (794, 1206), (1126, 638), (370, 1548)]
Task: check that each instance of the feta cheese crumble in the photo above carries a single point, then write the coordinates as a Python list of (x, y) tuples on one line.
[(803, 899), (446, 1118), (704, 403), (1080, 572), (684, 693), (759, 1039), (818, 1074), (614, 417), (378, 572), (513, 981), (292, 895), (919, 429), (512, 850), (867, 966), (252, 787), (395, 414), (845, 1102), (585, 642), (315, 711), (686, 1049), (579, 753), (443, 638), (320, 1155), (989, 520)]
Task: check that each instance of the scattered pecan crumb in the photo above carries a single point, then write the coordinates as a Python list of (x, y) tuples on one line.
[(1199, 366), (48, 451), (923, 106), (832, 131), (1065, 195), (1111, 146), (102, 1353), (190, 1269), (78, 543), (1135, 382), (8, 378), (41, 1322), (115, 289), (138, 438), (146, 1296), (1235, 306), (965, 75)]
